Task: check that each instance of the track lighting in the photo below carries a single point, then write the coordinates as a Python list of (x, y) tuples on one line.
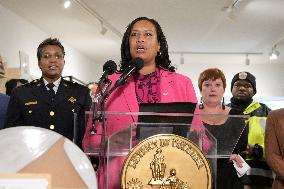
[(247, 60), (274, 53), (181, 59), (103, 28), (105, 25)]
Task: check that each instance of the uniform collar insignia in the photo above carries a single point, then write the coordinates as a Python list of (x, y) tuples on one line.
[(72, 99)]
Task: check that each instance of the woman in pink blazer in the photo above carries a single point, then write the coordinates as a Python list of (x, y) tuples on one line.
[(156, 82)]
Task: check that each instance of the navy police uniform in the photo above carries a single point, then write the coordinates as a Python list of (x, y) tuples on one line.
[(31, 105)]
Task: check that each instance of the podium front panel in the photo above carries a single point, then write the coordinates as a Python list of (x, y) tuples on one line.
[(123, 140)]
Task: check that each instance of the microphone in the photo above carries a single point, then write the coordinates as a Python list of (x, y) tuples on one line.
[(134, 65), (108, 68)]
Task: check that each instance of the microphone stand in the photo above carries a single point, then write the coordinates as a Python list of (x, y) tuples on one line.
[(98, 118), (103, 152), (121, 80), (101, 118), (95, 106)]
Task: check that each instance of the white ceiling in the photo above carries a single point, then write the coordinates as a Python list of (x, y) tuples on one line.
[(201, 26)]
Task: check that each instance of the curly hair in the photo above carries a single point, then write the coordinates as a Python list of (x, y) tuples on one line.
[(46, 42), (211, 74), (162, 59)]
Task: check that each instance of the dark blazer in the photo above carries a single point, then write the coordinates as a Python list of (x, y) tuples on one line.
[(274, 142), (30, 105), (4, 100)]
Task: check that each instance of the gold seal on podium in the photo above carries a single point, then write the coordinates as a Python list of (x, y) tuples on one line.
[(166, 161)]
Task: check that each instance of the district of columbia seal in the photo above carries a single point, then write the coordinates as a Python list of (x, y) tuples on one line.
[(166, 161)]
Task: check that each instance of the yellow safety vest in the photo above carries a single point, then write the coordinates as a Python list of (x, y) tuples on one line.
[(256, 126)]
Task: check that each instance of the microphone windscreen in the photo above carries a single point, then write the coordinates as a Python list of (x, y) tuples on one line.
[(137, 62), (111, 66)]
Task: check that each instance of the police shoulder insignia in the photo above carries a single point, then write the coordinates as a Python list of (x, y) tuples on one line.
[(33, 83)]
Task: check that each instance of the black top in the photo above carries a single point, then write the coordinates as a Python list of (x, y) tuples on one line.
[(31, 105), (230, 135)]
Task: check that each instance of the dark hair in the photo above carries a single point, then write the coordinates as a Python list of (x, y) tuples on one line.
[(46, 42), (162, 59), (213, 74), (12, 83)]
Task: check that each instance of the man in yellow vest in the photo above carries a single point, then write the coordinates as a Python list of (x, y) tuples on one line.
[(243, 87)]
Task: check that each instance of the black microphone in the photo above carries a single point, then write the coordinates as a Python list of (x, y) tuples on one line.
[(108, 68), (134, 65)]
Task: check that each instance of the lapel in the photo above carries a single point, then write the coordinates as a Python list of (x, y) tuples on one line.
[(41, 92), (166, 84), (62, 92), (129, 93), (130, 96)]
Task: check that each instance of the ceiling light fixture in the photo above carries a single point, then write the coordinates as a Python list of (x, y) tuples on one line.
[(247, 60), (106, 25), (181, 59), (230, 9), (273, 55), (67, 4), (232, 5), (103, 28)]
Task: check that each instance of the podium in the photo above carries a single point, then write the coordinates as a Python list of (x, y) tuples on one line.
[(120, 143)]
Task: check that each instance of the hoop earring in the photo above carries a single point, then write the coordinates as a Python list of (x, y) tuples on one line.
[(158, 53), (223, 104), (201, 106)]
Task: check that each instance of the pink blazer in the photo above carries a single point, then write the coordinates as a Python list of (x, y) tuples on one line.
[(174, 88)]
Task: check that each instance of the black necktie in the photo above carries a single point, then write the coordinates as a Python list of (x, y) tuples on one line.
[(51, 91)]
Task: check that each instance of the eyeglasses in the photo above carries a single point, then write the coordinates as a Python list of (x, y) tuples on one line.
[(49, 56)]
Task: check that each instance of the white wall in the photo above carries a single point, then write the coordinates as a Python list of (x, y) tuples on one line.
[(17, 34), (268, 76)]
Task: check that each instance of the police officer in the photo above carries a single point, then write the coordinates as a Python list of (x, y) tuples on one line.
[(243, 87), (50, 102)]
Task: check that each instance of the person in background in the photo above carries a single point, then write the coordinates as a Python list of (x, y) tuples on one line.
[(243, 87), (50, 102), (156, 82), (274, 146), (13, 83), (93, 88), (230, 133), (4, 100)]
